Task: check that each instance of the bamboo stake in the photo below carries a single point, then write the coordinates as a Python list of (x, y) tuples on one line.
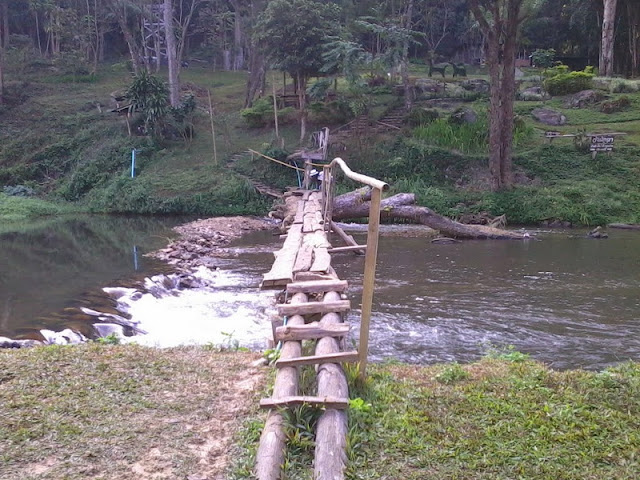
[(213, 130), (275, 104), (369, 279)]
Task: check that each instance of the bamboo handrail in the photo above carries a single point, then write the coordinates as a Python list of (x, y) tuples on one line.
[(275, 160), (358, 177)]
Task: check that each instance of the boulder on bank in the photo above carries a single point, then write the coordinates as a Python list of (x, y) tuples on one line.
[(477, 85), (463, 115), (533, 94), (549, 116), (428, 85), (584, 98)]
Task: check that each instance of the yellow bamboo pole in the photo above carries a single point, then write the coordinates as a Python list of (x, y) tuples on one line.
[(213, 130), (369, 279), (275, 105)]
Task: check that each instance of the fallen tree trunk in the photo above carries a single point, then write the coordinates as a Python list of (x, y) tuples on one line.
[(401, 206), (625, 226)]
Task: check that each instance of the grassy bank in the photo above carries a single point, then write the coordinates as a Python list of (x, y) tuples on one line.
[(120, 412), (504, 417), (62, 140), (107, 411), (20, 209)]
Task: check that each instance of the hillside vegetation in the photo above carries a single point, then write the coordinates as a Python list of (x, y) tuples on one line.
[(61, 141)]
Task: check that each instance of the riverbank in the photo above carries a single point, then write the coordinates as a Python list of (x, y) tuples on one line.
[(120, 412), (114, 412)]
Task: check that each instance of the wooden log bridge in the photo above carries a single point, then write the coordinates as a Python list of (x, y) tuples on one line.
[(315, 312)]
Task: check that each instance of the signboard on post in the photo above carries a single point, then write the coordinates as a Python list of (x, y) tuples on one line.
[(601, 143)]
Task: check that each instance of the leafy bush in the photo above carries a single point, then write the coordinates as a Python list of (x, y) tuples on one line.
[(614, 106), (559, 81), (543, 58), (261, 114), (621, 85), (467, 137), (421, 116), (150, 95), (329, 113)]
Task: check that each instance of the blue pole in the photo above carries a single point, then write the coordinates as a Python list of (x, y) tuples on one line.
[(135, 258), (133, 163)]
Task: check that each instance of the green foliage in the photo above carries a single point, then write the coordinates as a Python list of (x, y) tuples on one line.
[(19, 209), (149, 95), (111, 339), (293, 34), (336, 112), (98, 167), (463, 137), (451, 373), (507, 354), (621, 85), (509, 418), (261, 114), (419, 116), (614, 106), (543, 58), (559, 81)]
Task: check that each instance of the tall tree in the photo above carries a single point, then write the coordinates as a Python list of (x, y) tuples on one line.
[(4, 41), (499, 21), (293, 34), (608, 35), (633, 25), (172, 54), (404, 64)]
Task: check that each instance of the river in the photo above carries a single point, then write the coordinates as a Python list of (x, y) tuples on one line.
[(569, 301)]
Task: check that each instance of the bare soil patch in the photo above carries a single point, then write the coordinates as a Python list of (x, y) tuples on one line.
[(122, 412)]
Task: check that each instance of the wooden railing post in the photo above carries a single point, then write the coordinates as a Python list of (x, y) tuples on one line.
[(369, 279), (307, 175)]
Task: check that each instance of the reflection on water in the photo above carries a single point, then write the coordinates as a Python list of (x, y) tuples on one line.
[(48, 271)]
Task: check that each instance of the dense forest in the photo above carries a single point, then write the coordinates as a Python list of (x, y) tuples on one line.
[(338, 61), (81, 34)]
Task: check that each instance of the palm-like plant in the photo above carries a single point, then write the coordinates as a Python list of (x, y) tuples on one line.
[(149, 95)]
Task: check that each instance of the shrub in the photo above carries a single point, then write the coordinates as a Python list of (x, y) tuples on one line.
[(614, 106), (421, 116), (543, 58), (559, 81), (261, 114), (620, 85)]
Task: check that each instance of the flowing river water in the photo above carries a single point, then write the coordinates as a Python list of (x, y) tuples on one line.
[(569, 301)]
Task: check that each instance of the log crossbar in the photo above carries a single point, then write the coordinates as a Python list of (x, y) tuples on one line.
[(316, 313)]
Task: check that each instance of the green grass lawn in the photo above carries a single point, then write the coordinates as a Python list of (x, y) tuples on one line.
[(502, 418)]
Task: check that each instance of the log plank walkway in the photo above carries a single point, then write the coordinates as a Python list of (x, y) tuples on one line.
[(313, 310), (303, 266)]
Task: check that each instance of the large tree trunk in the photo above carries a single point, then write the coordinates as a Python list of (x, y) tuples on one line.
[(120, 12), (401, 206), (408, 91), (238, 43), (5, 23), (257, 68), (500, 27), (3, 43), (170, 38), (633, 20), (1, 74), (608, 35)]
